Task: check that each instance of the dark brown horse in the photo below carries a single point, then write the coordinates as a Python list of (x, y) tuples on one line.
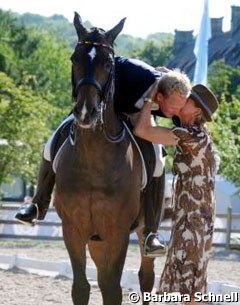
[(98, 177)]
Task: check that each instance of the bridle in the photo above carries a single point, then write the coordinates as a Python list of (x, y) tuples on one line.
[(89, 79), (106, 91)]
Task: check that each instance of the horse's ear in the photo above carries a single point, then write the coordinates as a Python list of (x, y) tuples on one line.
[(113, 33), (80, 29)]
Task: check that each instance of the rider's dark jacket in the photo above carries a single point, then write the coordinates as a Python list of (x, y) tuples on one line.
[(134, 80)]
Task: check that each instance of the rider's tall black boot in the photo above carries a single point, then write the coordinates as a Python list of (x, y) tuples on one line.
[(37, 209), (152, 209)]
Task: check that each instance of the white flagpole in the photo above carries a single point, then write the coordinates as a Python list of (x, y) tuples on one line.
[(201, 48)]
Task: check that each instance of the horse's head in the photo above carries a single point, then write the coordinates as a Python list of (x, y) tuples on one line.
[(92, 70)]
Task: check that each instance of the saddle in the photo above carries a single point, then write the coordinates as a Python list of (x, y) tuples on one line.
[(153, 181), (152, 155), (59, 138)]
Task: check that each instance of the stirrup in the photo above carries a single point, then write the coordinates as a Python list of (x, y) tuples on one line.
[(155, 234), (149, 254)]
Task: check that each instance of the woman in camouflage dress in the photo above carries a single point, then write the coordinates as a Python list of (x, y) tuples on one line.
[(194, 207)]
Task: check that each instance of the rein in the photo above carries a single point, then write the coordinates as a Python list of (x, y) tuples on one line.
[(106, 92)]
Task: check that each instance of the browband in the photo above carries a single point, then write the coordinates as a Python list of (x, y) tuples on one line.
[(97, 44)]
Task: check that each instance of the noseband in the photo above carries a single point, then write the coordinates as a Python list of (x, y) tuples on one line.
[(106, 91)]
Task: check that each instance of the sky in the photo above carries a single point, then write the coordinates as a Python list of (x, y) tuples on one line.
[(143, 17)]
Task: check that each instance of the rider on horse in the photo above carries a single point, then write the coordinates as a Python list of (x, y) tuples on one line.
[(135, 81)]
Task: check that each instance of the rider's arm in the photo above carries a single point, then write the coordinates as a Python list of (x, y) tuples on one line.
[(145, 130)]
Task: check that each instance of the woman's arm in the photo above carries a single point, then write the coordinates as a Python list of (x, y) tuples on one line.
[(145, 130)]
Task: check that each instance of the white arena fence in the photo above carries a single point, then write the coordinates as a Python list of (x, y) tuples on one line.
[(227, 227)]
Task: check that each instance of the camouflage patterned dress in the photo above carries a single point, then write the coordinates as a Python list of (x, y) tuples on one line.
[(194, 210)]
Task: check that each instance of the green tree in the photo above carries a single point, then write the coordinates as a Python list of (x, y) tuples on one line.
[(126, 44), (57, 25), (23, 129), (47, 71), (155, 53), (35, 93), (224, 79), (10, 34), (226, 136), (37, 60)]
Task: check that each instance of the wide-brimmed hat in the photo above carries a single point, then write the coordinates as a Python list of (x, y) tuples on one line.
[(205, 99)]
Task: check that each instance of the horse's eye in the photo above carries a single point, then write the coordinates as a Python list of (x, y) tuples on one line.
[(108, 66)]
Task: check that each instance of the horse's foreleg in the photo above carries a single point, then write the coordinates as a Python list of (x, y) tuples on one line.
[(109, 257), (146, 273), (77, 251)]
